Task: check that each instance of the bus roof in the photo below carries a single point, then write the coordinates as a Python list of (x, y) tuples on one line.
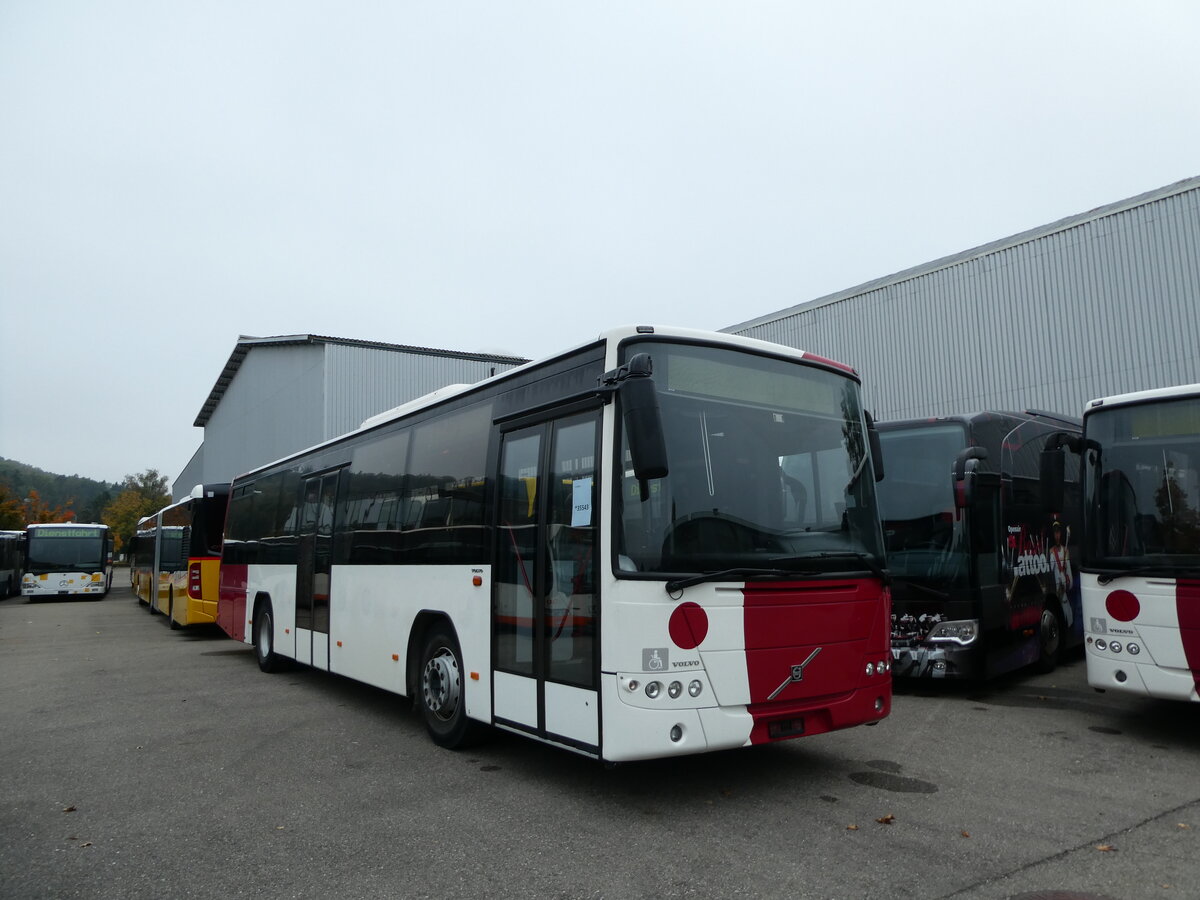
[(981, 416), (610, 337), (1165, 393)]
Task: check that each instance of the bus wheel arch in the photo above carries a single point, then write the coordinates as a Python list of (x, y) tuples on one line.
[(439, 691), (262, 624), (171, 609)]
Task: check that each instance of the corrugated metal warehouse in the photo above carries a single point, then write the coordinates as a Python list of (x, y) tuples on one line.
[(1099, 303), (277, 395)]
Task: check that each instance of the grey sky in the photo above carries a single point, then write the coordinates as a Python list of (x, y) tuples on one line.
[(515, 177)]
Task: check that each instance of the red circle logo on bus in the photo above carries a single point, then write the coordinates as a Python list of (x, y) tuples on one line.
[(1122, 606), (688, 625)]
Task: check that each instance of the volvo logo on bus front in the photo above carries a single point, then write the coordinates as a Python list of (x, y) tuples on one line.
[(797, 675)]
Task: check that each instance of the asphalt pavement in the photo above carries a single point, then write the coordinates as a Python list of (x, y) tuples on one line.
[(140, 762)]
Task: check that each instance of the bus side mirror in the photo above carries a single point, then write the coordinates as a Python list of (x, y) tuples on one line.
[(966, 465), (1052, 469), (643, 421), (876, 447)]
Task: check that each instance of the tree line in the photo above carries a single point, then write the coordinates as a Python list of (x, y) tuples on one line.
[(29, 495)]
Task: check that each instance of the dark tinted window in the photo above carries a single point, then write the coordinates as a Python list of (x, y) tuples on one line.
[(418, 495)]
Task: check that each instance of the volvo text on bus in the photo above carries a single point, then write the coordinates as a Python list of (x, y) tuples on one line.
[(661, 542)]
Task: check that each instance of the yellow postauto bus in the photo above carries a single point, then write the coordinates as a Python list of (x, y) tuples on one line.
[(177, 557)]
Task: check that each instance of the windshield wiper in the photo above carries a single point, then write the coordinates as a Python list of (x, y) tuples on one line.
[(680, 584), (877, 570)]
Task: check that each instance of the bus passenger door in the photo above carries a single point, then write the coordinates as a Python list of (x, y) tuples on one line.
[(313, 568), (545, 603)]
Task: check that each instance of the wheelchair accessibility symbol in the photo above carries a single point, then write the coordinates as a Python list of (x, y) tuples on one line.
[(654, 659)]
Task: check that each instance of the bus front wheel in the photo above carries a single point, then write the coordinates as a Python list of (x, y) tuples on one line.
[(264, 638), (440, 692), (1050, 639)]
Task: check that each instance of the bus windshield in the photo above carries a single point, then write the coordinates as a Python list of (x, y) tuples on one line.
[(1142, 487), (65, 550), (925, 539), (769, 468)]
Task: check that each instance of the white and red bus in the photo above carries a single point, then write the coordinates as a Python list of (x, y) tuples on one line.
[(661, 542), (1141, 547), (67, 559)]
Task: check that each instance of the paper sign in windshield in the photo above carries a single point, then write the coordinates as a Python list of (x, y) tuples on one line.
[(581, 502)]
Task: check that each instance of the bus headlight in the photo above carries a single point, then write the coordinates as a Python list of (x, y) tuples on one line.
[(961, 631), (695, 687), (674, 689), (653, 689)]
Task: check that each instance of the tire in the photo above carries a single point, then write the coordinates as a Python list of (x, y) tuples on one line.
[(264, 639), (1050, 638), (440, 691), (171, 611)]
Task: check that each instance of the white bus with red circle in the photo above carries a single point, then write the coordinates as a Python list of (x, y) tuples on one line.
[(1141, 547), (661, 542)]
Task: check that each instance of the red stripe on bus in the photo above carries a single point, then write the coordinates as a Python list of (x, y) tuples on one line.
[(1187, 605), (824, 629)]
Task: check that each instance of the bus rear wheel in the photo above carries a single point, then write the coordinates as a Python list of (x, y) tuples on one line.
[(440, 692), (1050, 639), (264, 638)]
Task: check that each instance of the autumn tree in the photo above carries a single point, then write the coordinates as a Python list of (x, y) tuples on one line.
[(140, 495), (37, 510), (12, 516)]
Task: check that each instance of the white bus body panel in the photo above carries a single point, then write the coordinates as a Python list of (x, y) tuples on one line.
[(636, 727), (1160, 668), (371, 614), (516, 699), (279, 582), (368, 634), (573, 712)]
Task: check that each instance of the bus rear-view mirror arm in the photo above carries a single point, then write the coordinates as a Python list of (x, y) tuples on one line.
[(965, 467), (1052, 469), (634, 384), (875, 445)]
